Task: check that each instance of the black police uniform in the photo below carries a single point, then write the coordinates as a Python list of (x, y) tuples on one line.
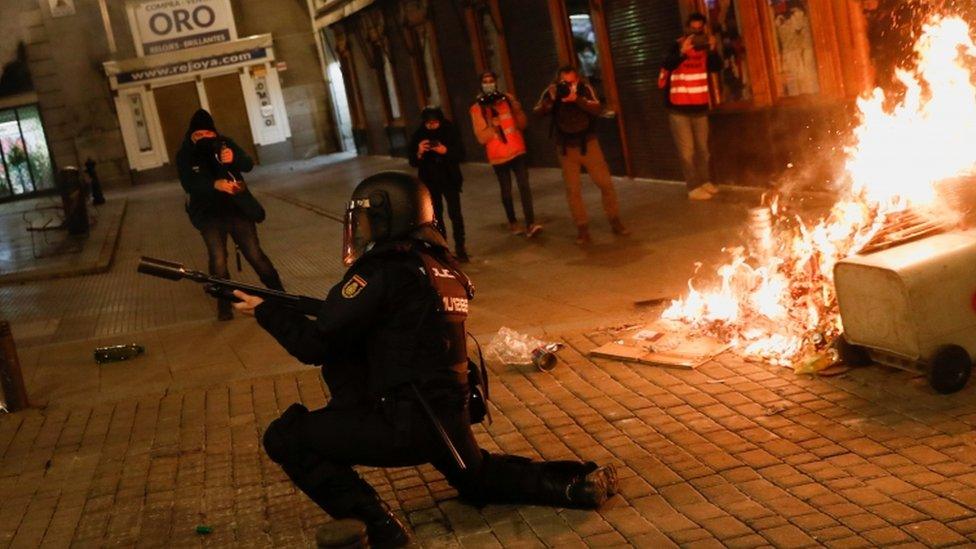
[(396, 318)]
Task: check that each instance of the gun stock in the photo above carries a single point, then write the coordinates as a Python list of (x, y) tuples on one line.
[(222, 288)]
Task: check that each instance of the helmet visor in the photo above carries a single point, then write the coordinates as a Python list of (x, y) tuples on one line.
[(357, 232)]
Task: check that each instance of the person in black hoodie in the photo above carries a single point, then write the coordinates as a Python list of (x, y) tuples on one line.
[(436, 151), (218, 201)]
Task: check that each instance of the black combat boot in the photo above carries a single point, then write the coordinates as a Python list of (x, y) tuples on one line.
[(594, 489), (573, 484)]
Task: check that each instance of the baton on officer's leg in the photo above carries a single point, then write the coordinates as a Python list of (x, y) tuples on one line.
[(440, 429)]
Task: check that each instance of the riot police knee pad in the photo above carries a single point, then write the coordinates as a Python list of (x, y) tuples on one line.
[(278, 438)]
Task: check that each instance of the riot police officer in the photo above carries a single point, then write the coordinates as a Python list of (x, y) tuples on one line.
[(392, 346)]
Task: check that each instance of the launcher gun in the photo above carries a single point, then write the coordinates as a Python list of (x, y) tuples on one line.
[(222, 288)]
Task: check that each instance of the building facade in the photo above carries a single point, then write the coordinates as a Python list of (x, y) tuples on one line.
[(791, 69), (117, 81)]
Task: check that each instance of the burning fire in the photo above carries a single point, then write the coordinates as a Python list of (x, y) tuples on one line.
[(775, 300)]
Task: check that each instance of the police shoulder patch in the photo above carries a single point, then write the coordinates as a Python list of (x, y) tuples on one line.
[(353, 286)]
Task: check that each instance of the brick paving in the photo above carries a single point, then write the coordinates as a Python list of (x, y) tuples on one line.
[(732, 454)]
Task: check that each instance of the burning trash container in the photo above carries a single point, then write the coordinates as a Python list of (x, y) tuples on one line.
[(913, 307)]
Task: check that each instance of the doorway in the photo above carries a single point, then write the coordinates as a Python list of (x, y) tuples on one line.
[(226, 100), (176, 105), (337, 89)]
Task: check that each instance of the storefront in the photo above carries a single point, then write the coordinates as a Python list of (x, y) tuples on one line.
[(791, 71), (189, 57), (383, 60), (25, 161)]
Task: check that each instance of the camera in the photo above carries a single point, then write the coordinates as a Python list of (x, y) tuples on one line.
[(433, 143), (489, 99), (563, 89), (699, 41)]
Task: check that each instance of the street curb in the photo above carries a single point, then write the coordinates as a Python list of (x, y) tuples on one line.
[(103, 263)]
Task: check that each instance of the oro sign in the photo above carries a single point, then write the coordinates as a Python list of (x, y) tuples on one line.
[(161, 26)]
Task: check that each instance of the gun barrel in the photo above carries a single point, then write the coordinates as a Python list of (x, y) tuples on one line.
[(161, 268)]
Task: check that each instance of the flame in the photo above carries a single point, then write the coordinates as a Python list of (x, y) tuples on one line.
[(775, 299)]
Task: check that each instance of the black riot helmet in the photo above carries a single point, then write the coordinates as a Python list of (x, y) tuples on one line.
[(385, 207)]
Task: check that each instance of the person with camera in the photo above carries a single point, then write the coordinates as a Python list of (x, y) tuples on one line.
[(574, 108), (436, 151), (684, 77), (498, 121), (219, 203), (392, 346)]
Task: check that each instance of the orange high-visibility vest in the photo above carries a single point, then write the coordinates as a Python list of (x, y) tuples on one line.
[(501, 150), (689, 82)]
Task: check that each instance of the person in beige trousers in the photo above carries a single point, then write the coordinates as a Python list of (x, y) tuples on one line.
[(573, 105)]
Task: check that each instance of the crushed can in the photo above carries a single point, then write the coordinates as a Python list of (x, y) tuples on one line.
[(544, 357), (116, 353)]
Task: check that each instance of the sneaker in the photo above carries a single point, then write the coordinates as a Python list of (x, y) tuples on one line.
[(699, 193), (461, 254), (711, 188), (583, 235), (618, 227), (516, 228), (595, 488), (534, 229)]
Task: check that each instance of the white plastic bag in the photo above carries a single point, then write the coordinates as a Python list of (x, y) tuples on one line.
[(511, 347)]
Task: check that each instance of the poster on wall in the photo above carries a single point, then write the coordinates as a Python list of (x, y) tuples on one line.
[(260, 77), (160, 26)]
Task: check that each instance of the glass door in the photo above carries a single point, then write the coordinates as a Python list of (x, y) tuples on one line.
[(25, 162)]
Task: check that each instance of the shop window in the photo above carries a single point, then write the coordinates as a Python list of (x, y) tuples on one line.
[(492, 44), (25, 162), (585, 43), (795, 61), (488, 45), (726, 25), (392, 95), (433, 88)]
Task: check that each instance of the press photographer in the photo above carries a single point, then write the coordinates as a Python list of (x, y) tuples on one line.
[(219, 204), (684, 77), (574, 108), (498, 121)]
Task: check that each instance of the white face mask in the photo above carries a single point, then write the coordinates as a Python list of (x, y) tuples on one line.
[(489, 88)]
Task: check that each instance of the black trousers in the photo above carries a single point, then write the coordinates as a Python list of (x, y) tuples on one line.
[(317, 450), (452, 195), (504, 173), (245, 235)]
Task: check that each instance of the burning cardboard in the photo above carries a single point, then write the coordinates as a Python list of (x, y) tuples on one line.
[(663, 343)]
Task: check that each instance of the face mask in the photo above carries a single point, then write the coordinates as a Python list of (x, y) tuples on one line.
[(489, 88)]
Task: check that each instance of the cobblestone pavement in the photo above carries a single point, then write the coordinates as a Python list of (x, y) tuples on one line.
[(733, 453)]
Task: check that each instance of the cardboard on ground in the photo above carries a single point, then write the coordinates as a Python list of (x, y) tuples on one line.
[(672, 348)]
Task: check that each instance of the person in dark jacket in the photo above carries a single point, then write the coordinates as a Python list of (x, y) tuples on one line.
[(219, 203), (574, 106), (436, 151), (391, 343), (685, 78)]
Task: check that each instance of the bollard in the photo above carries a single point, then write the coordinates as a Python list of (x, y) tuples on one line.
[(94, 183), (73, 200), (11, 378)]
